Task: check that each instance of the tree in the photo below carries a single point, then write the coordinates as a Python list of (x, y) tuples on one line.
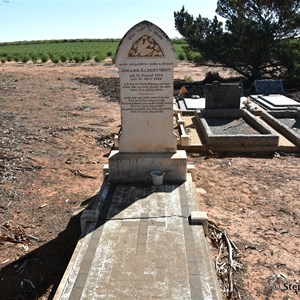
[(260, 38)]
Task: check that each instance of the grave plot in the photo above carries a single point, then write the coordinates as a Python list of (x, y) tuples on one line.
[(286, 122), (189, 96), (275, 102), (270, 96), (234, 127), (224, 124)]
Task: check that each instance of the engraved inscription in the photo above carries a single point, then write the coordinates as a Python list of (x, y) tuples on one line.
[(145, 87)]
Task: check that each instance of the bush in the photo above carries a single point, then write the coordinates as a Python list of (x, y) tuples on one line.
[(181, 56), (88, 56), (63, 57), (16, 57), (44, 57), (34, 57), (79, 57), (54, 58), (99, 57), (25, 58)]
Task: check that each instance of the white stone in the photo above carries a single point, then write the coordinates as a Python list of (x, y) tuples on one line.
[(146, 59)]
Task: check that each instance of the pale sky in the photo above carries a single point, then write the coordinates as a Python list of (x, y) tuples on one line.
[(73, 19)]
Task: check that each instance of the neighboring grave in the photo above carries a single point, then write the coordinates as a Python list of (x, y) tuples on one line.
[(146, 59), (222, 95), (270, 96)]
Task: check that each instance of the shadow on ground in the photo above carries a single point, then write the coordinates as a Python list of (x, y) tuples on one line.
[(39, 272), (109, 87)]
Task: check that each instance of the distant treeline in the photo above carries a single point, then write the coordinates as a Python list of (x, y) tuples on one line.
[(74, 50)]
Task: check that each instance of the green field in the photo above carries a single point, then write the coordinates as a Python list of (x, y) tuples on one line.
[(67, 50)]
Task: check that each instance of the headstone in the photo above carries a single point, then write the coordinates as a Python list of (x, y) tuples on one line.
[(267, 87), (222, 95), (146, 59)]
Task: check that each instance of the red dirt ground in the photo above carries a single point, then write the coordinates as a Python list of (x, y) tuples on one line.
[(56, 123)]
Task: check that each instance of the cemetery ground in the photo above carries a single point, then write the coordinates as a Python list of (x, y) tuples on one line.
[(56, 127)]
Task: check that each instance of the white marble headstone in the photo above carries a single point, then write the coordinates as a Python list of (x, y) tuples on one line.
[(146, 59)]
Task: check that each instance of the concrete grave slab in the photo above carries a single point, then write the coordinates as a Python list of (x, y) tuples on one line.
[(142, 247), (275, 102), (192, 104)]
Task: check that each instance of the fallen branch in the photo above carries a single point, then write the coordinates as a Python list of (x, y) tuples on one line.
[(230, 260), (225, 264)]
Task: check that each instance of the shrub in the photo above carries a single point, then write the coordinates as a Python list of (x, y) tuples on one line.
[(25, 58), (54, 58), (34, 57), (79, 57), (44, 57), (88, 56), (16, 57), (63, 57), (181, 56), (99, 57)]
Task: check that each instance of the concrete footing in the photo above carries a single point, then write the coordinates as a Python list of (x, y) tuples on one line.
[(136, 167)]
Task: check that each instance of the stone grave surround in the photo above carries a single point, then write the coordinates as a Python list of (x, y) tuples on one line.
[(146, 59)]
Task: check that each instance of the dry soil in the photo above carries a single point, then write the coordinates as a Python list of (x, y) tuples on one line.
[(56, 127)]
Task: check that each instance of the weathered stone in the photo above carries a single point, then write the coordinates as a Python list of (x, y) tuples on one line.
[(267, 87), (222, 95), (146, 59)]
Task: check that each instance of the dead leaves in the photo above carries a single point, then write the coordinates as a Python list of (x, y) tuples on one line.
[(12, 233)]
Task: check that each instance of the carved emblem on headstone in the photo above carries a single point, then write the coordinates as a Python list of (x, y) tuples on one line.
[(146, 46)]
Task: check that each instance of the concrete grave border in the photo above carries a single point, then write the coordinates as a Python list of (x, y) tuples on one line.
[(273, 119), (268, 136)]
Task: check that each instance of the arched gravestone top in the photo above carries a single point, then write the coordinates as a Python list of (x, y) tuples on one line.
[(145, 40), (146, 59)]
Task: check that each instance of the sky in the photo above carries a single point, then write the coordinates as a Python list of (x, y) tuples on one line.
[(22, 20)]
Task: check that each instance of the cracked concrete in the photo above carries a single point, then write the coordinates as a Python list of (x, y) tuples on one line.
[(142, 247)]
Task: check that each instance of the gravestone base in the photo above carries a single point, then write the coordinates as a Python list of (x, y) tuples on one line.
[(136, 167)]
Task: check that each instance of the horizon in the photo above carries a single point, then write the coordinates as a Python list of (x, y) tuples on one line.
[(46, 20)]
